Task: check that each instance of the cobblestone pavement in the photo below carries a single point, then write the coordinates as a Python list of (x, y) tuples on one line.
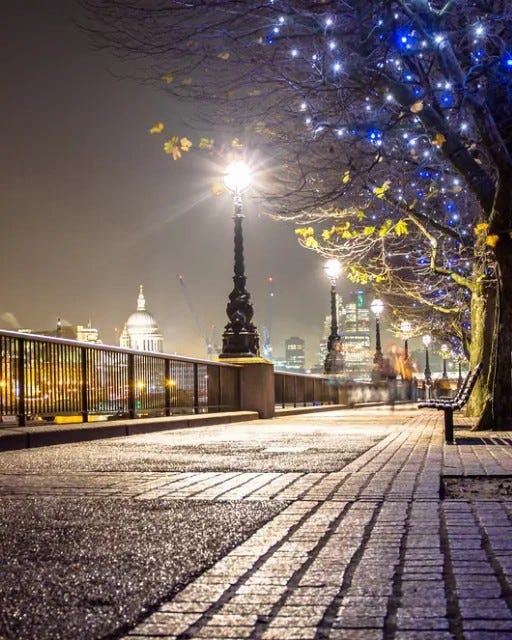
[(365, 552)]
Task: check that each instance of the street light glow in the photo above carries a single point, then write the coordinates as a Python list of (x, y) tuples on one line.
[(332, 269), (405, 328), (377, 307), (238, 177), (426, 341)]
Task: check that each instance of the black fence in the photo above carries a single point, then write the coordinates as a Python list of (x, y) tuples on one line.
[(301, 390), (45, 378)]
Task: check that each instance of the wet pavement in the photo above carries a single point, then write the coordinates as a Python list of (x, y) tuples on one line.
[(327, 525)]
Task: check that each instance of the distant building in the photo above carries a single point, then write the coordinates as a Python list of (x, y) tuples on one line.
[(355, 336), (141, 331), (69, 332), (295, 354)]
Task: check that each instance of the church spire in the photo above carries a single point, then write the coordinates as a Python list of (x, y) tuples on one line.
[(141, 300)]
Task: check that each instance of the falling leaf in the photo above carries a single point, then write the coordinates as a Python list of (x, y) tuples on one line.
[(417, 106), (185, 144), (492, 240), (168, 78), (157, 128), (217, 189), (224, 55), (346, 177)]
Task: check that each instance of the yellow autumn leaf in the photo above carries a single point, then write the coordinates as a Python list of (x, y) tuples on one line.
[(481, 227), (346, 235), (360, 215), (305, 231), (417, 106), (346, 177), (439, 140), (383, 231), (401, 228), (380, 191), (157, 128), (171, 148), (205, 143), (224, 55), (367, 231), (311, 243), (492, 240), (217, 189), (168, 78), (326, 234), (185, 144)]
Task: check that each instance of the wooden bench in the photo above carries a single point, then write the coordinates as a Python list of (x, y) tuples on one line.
[(455, 403)]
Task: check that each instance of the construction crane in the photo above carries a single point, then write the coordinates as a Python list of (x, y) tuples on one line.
[(266, 349), (209, 339)]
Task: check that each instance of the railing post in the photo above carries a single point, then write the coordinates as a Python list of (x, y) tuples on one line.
[(21, 383), (85, 397), (131, 385), (167, 387), (196, 388)]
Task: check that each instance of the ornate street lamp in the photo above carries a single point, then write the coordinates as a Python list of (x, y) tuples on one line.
[(240, 338), (445, 354), (377, 307), (428, 374), (334, 358)]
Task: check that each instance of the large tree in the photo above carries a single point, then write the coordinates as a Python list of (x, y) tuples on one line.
[(401, 110)]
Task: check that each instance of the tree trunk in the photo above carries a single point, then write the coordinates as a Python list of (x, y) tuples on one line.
[(497, 410), (482, 328)]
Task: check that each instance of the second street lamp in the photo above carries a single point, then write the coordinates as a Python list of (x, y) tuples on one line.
[(377, 306), (240, 338), (334, 358), (428, 374)]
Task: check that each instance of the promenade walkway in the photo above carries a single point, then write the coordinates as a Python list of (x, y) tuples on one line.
[(368, 527)]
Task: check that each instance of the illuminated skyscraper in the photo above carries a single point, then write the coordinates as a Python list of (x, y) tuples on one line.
[(295, 354), (355, 336)]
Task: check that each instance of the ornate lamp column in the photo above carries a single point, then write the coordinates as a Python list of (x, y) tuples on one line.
[(240, 338), (377, 306), (406, 328), (334, 358), (427, 374)]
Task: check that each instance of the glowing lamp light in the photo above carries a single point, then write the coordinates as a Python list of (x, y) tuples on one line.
[(426, 341), (237, 177), (377, 307), (405, 327), (332, 269)]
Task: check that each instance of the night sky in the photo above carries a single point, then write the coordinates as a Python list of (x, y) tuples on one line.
[(91, 206)]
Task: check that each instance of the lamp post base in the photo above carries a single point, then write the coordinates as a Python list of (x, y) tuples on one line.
[(334, 362), (244, 344)]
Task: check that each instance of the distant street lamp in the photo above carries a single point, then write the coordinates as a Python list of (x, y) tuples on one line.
[(334, 358), (445, 354), (405, 329), (377, 307), (240, 338), (427, 374)]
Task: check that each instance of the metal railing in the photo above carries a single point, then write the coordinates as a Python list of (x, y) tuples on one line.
[(42, 377), (296, 390)]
